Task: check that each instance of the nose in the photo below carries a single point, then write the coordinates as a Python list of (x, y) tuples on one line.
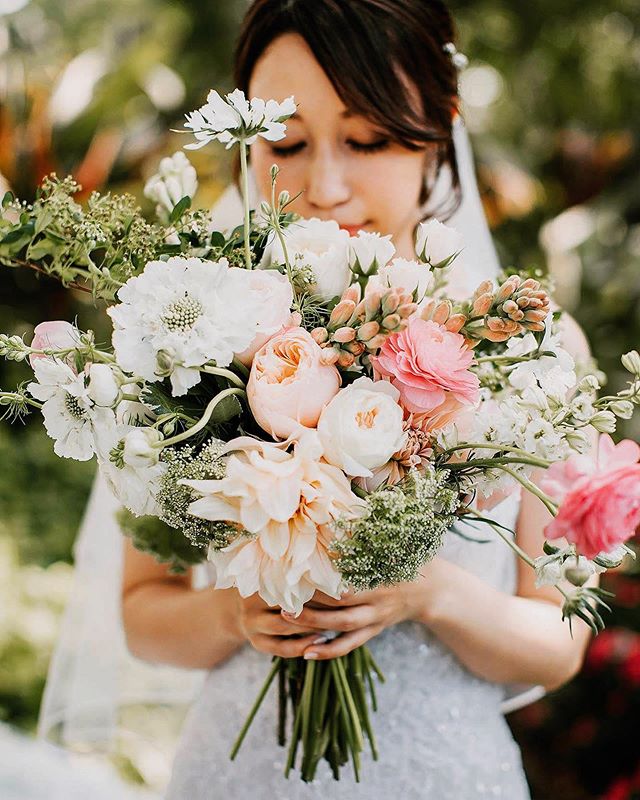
[(327, 181)]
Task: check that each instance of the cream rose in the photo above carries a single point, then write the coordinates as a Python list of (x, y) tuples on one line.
[(289, 385), (437, 244), (361, 428), (275, 311), (412, 276), (368, 252), (321, 245)]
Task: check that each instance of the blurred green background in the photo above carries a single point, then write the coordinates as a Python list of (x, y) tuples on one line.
[(552, 99)]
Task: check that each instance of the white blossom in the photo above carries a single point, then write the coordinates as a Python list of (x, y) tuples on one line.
[(176, 178), (70, 417), (368, 252), (412, 276), (437, 244), (321, 245), (185, 312), (104, 388), (233, 118), (140, 447)]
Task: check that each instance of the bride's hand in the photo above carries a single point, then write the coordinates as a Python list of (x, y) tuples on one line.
[(358, 617), (269, 632)]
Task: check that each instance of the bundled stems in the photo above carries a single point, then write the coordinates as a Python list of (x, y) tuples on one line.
[(330, 710)]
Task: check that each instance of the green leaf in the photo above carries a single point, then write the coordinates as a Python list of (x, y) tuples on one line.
[(227, 409), (217, 239), (16, 235), (8, 198), (42, 221), (180, 207)]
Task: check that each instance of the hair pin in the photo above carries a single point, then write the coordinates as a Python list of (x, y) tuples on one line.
[(459, 60)]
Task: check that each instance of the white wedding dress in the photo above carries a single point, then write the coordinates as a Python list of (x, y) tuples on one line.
[(440, 730)]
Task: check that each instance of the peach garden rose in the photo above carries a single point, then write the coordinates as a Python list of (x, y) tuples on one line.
[(289, 385)]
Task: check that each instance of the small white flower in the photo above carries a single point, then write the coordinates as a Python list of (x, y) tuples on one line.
[(368, 252), (321, 245), (186, 311), (541, 438), (233, 118), (70, 417), (555, 374), (176, 178), (140, 447), (104, 388), (412, 276), (361, 428), (437, 244), (548, 571)]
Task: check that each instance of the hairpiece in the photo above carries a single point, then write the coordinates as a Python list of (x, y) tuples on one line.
[(459, 60)]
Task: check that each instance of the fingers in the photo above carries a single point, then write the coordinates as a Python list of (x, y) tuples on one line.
[(284, 647), (275, 624), (341, 645), (342, 619)]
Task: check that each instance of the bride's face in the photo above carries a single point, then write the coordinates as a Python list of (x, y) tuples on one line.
[(344, 167)]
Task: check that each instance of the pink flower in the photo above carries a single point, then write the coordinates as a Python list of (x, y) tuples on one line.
[(429, 366), (54, 335), (600, 498), (289, 385)]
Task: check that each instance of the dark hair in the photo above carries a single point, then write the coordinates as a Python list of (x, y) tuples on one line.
[(375, 53)]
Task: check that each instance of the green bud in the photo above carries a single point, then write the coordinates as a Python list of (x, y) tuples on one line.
[(578, 441), (577, 576)]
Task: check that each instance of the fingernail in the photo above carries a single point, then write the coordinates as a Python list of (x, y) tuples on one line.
[(311, 656), (287, 614), (320, 640)]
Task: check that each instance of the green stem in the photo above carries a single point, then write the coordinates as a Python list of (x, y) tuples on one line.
[(204, 421), (16, 396), (244, 371), (245, 199), (532, 488), (224, 373), (254, 710), (275, 221), (497, 528), (497, 461), (513, 359), (500, 448)]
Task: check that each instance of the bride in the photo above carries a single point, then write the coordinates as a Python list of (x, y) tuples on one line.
[(377, 144)]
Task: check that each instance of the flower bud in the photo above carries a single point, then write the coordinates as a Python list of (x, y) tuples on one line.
[(320, 335), (603, 422), (141, 447), (345, 360), (631, 362), (342, 312), (283, 198), (104, 388), (589, 384), (344, 335), (165, 364), (578, 441), (622, 409), (577, 576), (368, 331), (391, 322)]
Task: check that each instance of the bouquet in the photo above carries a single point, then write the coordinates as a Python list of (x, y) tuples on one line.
[(309, 413)]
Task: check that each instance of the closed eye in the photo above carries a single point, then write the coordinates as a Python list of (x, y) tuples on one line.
[(358, 147)]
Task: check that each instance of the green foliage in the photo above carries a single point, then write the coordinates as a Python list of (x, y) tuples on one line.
[(167, 545)]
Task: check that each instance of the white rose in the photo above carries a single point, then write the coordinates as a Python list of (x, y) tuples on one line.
[(104, 388), (323, 246), (140, 447), (368, 252), (361, 428), (274, 310), (408, 275), (176, 178), (437, 244)]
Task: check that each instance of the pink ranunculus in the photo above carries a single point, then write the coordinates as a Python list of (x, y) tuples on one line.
[(289, 385), (600, 498), (54, 335), (429, 366)]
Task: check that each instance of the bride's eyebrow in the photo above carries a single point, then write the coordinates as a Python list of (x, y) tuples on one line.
[(346, 114)]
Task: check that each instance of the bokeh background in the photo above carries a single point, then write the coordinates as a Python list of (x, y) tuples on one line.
[(552, 99)]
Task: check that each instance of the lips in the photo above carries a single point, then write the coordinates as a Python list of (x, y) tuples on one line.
[(352, 230)]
